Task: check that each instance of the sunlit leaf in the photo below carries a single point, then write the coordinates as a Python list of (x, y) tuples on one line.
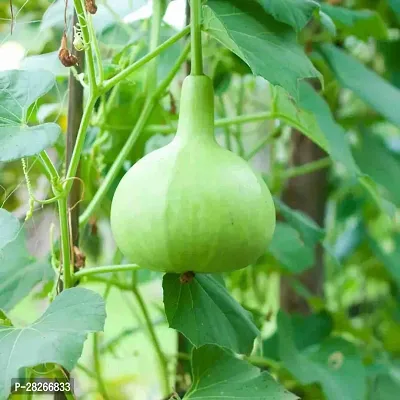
[(18, 90), (56, 337), (19, 141)]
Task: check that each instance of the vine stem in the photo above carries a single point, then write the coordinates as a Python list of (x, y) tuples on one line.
[(50, 168), (97, 367), (80, 140), (96, 50), (88, 38), (108, 84), (263, 142), (140, 124), (307, 168), (65, 242), (157, 347), (105, 270), (195, 32)]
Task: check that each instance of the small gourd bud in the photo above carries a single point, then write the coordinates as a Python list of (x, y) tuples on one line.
[(193, 205), (67, 59)]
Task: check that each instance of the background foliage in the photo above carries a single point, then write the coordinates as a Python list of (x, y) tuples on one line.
[(325, 72)]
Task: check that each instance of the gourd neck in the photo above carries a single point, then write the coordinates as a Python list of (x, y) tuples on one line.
[(196, 117)]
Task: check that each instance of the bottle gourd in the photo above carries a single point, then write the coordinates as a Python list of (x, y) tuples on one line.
[(193, 205)]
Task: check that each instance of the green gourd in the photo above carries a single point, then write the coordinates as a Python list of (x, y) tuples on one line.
[(193, 205)]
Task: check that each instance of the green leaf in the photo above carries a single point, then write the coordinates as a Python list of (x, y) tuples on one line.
[(389, 257), (371, 187), (204, 311), (56, 337), (395, 5), (376, 160), (338, 145), (310, 330), (360, 23), (390, 50), (4, 320), (295, 13), (18, 90), (22, 141), (310, 232), (289, 250), (47, 61), (250, 32), (286, 110), (378, 93), (9, 228), (313, 117), (19, 272), (335, 364), (386, 386), (218, 374), (327, 23)]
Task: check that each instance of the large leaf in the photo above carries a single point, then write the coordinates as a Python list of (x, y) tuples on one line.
[(9, 228), (22, 141), (295, 13), (360, 23), (313, 117), (251, 33), (369, 86), (335, 364), (47, 61), (376, 160), (288, 248), (19, 272), (310, 232), (218, 374), (205, 313), (56, 337), (18, 90)]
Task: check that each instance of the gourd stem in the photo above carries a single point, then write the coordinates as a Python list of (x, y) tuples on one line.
[(195, 25)]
